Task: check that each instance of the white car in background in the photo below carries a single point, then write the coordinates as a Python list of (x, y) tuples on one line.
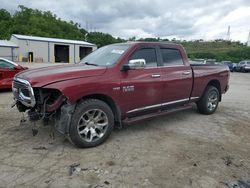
[(243, 66)]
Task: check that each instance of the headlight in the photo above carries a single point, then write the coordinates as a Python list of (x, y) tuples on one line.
[(23, 92)]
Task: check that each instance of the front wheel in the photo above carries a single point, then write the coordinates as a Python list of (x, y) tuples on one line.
[(92, 123), (209, 101)]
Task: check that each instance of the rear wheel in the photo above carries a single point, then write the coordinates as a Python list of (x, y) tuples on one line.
[(92, 123), (209, 101)]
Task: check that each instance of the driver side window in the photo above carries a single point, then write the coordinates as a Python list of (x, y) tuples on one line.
[(148, 54)]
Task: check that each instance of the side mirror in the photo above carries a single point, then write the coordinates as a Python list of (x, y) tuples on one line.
[(17, 68), (135, 64)]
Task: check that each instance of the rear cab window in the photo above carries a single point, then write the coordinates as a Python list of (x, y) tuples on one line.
[(171, 57)]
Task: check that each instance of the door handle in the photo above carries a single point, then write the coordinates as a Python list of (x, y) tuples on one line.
[(186, 73), (155, 75)]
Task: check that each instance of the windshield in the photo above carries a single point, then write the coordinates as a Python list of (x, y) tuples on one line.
[(105, 56)]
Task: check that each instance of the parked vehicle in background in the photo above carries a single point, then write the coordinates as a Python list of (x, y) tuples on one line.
[(204, 61), (198, 61), (118, 84), (8, 70), (243, 66), (231, 66), (211, 62)]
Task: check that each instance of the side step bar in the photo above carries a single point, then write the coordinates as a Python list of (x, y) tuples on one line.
[(156, 114)]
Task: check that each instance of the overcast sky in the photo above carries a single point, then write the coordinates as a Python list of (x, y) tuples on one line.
[(206, 19)]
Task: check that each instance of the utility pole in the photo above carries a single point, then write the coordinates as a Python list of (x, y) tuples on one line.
[(228, 33), (85, 36), (248, 41), (87, 26)]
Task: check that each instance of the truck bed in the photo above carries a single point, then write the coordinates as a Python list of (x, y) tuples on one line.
[(210, 72)]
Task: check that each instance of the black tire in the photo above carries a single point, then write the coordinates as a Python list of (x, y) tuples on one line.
[(242, 70), (83, 108), (203, 104)]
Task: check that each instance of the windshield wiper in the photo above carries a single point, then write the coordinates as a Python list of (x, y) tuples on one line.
[(87, 63)]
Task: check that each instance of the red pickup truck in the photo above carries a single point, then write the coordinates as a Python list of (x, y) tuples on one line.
[(115, 85)]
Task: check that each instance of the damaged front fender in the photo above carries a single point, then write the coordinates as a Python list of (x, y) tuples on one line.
[(56, 104), (63, 118)]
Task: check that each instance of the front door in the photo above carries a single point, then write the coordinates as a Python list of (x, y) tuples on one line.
[(142, 88)]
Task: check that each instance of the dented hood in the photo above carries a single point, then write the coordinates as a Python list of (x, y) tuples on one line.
[(43, 76)]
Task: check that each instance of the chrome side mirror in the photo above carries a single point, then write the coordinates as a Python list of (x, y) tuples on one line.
[(135, 64)]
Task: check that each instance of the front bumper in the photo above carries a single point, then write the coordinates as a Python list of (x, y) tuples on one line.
[(247, 68)]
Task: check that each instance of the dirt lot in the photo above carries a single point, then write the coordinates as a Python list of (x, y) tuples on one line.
[(185, 149)]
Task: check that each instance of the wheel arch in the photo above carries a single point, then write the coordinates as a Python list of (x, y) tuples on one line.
[(215, 83), (110, 102)]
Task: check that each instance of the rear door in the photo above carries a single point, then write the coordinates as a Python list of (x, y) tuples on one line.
[(142, 88), (176, 75)]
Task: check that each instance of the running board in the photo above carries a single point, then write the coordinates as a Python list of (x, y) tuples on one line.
[(156, 114)]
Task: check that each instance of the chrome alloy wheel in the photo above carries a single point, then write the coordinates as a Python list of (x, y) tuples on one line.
[(92, 125), (212, 100)]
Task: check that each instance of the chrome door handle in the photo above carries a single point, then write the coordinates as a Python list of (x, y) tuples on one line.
[(155, 75), (186, 73)]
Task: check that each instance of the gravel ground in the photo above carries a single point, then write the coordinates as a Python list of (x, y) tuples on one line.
[(184, 149)]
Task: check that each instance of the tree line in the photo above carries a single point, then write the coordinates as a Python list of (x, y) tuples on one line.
[(34, 22), (27, 21)]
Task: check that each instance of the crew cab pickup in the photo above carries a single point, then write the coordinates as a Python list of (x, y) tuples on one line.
[(116, 85)]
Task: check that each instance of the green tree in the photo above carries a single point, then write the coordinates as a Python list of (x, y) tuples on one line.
[(29, 21), (43, 23), (102, 39), (5, 24)]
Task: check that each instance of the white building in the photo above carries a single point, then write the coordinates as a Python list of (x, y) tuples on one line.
[(42, 49), (7, 49)]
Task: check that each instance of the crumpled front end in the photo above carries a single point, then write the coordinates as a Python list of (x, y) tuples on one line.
[(42, 103)]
